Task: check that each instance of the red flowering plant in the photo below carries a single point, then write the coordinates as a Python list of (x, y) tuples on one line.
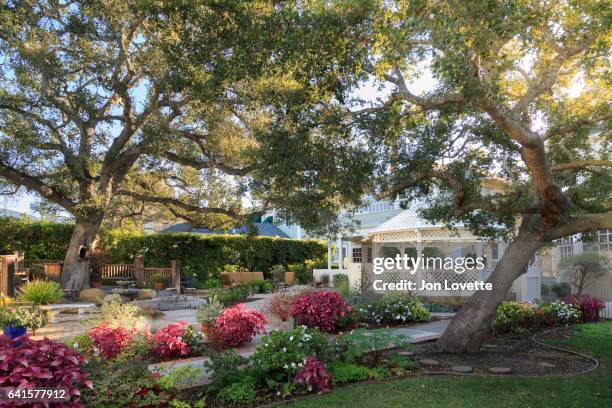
[(43, 363), (110, 341), (237, 325), (349, 319), (588, 305), (319, 309), (168, 342), (314, 375)]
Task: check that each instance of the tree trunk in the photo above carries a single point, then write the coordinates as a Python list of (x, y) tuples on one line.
[(467, 331), (76, 269)]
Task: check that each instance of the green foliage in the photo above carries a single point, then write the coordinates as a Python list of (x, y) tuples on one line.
[(181, 377), (364, 344), (343, 372), (124, 383), (159, 278), (394, 308), (228, 368), (561, 289), (243, 392), (303, 273), (207, 313), (342, 285), (202, 255), (280, 356), (513, 316), (42, 292), (277, 273), (236, 292), (207, 255), (31, 317), (117, 314)]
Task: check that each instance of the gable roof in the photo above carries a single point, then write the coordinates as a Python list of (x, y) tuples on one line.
[(263, 230)]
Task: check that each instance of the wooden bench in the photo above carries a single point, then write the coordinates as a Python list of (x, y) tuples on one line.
[(231, 278), (53, 311)]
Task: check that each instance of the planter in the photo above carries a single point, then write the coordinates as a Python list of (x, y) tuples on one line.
[(158, 285), (14, 331)]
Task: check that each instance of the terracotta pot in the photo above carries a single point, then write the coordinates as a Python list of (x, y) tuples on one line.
[(158, 285), (96, 285)]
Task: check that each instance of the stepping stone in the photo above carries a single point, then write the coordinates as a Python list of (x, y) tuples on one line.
[(500, 370), (547, 365), (461, 369), (406, 353), (429, 362)]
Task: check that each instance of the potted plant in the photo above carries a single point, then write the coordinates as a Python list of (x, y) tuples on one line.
[(207, 316), (16, 321), (159, 281)]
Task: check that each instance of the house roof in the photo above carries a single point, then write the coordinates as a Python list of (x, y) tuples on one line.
[(407, 219), (263, 230)]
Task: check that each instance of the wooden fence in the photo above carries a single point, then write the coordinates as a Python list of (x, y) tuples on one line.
[(10, 265), (140, 274)]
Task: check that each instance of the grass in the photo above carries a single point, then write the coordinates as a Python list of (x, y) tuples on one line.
[(589, 390)]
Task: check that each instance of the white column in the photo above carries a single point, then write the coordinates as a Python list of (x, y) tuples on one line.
[(329, 257), (340, 257)]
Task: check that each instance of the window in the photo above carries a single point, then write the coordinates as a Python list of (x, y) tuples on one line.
[(601, 242), (369, 257), (356, 255), (566, 246), (495, 251)]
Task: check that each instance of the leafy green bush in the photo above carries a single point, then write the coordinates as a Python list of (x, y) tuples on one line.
[(207, 313), (280, 356), (347, 372), (260, 286), (239, 393), (514, 317), (42, 292), (31, 317), (303, 273), (39, 240), (394, 308)]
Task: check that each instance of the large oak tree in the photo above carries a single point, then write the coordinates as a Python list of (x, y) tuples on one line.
[(95, 110), (520, 90)]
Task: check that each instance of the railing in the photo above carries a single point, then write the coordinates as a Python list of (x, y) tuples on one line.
[(149, 272), (115, 271)]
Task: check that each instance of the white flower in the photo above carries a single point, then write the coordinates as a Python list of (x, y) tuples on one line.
[(291, 338), (75, 345), (300, 365), (285, 366), (284, 349), (293, 365), (277, 392), (300, 344)]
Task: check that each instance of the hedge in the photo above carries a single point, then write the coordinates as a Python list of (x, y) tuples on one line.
[(200, 255), (39, 240)]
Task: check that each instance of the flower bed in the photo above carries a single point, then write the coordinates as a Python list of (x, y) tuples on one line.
[(519, 317), (393, 309)]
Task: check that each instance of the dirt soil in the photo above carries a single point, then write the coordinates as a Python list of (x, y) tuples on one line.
[(518, 352)]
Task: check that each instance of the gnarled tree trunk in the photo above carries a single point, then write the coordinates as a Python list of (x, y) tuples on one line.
[(76, 269), (467, 331)]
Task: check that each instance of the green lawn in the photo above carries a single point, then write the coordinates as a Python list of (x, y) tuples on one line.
[(590, 390)]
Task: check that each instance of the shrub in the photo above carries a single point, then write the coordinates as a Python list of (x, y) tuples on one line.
[(168, 341), (557, 312), (281, 355), (31, 317), (349, 319), (237, 325), (280, 305), (318, 309), (277, 273), (314, 375), (202, 255), (303, 274), (42, 292), (207, 313), (158, 278), (227, 368), (259, 286), (588, 305), (239, 393), (125, 383), (514, 317), (126, 315), (110, 341), (347, 372), (394, 308), (42, 363)]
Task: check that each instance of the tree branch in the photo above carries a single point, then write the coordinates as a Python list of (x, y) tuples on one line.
[(582, 223), (580, 164)]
